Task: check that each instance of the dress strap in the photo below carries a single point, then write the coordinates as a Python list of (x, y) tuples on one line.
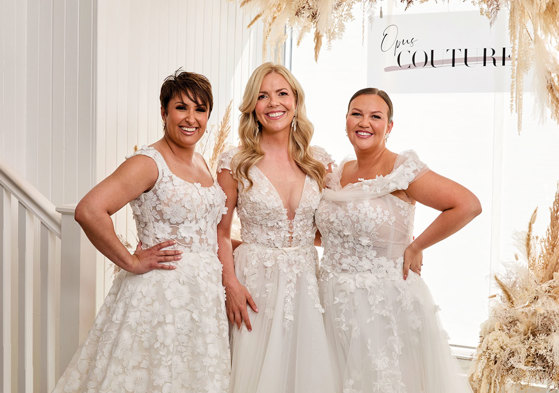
[(407, 169), (225, 160), (332, 180), (152, 153), (322, 155)]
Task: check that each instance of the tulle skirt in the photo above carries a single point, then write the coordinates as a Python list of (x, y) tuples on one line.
[(286, 351), (385, 336), (162, 331)]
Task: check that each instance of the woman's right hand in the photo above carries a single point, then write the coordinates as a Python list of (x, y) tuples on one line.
[(154, 258), (236, 299)]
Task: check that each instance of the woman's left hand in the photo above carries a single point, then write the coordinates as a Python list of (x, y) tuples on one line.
[(413, 260)]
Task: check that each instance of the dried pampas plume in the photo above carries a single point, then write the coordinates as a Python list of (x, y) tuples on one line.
[(549, 255), (327, 18), (213, 144), (220, 140), (529, 242), (519, 343), (506, 292), (534, 35)]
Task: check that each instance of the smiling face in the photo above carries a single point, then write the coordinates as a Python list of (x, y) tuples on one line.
[(367, 122), (185, 121), (275, 106)]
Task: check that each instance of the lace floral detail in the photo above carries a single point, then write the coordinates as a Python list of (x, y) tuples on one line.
[(163, 213), (365, 231), (163, 331), (322, 155), (273, 238), (225, 160), (258, 264), (407, 168)]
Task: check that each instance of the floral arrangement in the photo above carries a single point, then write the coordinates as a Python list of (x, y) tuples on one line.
[(519, 343), (533, 28)]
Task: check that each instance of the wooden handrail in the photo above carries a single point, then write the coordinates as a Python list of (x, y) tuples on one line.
[(31, 198)]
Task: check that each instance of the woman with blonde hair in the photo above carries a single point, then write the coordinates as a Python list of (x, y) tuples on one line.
[(274, 179)]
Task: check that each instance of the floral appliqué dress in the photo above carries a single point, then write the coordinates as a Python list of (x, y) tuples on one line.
[(163, 331), (383, 330), (286, 351)]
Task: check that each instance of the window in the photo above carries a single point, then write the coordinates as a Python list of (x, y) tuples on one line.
[(470, 137)]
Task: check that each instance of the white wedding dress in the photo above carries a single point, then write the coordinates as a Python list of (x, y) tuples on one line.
[(162, 331), (383, 331), (286, 351)]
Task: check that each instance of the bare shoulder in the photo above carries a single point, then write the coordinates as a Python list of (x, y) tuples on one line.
[(346, 167), (200, 160), (439, 192)]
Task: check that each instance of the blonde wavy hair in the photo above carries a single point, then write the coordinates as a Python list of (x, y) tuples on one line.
[(250, 134)]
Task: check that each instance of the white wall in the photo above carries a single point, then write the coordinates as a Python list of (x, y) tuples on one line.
[(80, 83), (47, 52)]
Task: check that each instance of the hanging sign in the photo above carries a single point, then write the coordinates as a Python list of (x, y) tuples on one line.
[(442, 52)]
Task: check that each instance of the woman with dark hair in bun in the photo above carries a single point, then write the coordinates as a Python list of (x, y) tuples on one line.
[(380, 319), (163, 325)]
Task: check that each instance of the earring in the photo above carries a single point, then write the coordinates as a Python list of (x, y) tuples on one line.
[(294, 124), (386, 137)]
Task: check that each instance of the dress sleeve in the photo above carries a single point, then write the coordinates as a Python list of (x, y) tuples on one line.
[(322, 155), (224, 161), (332, 180), (411, 166)]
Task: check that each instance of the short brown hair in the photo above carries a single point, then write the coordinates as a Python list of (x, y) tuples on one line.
[(374, 92), (195, 86)]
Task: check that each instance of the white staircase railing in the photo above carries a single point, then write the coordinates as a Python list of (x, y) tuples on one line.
[(47, 297)]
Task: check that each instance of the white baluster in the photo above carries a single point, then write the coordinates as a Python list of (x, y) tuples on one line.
[(77, 296)]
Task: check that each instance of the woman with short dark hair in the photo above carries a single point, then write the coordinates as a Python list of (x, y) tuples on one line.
[(163, 326)]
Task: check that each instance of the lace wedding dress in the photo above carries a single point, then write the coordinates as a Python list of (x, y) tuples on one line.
[(162, 331), (383, 331), (286, 351)]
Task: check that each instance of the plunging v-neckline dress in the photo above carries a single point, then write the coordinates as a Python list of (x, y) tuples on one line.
[(286, 351)]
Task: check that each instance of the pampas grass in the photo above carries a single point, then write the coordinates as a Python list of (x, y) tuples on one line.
[(549, 256), (529, 241), (534, 35), (213, 143), (325, 18), (220, 140), (519, 343)]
